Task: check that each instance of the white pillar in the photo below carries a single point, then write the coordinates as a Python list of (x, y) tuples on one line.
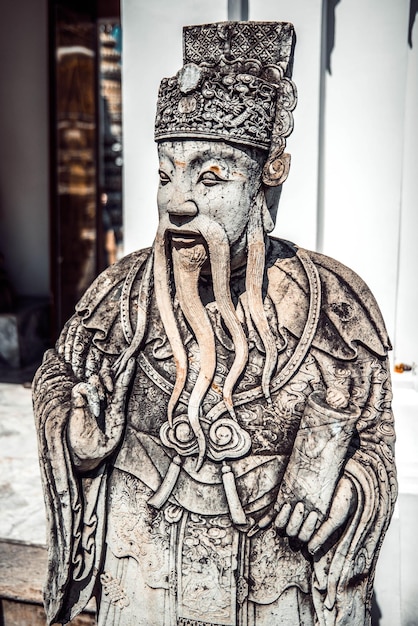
[(406, 335)]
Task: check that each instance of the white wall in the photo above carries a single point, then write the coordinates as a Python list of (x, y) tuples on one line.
[(24, 231), (364, 134)]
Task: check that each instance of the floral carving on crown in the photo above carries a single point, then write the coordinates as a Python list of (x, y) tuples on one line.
[(239, 107), (235, 85)]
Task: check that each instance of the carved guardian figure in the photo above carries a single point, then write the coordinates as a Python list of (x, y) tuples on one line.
[(215, 428)]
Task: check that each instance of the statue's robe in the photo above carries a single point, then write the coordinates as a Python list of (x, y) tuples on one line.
[(187, 561)]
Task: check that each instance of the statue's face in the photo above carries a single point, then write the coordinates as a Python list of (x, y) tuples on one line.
[(210, 179)]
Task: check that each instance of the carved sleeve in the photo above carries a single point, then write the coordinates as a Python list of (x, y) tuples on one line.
[(71, 519), (350, 564)]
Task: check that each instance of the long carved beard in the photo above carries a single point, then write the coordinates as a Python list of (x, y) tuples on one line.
[(188, 261)]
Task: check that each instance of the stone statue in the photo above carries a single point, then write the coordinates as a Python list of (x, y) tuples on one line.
[(215, 428)]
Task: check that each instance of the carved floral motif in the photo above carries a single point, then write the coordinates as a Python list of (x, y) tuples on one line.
[(113, 589), (208, 568)]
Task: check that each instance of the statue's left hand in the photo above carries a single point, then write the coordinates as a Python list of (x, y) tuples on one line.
[(298, 522), (97, 416)]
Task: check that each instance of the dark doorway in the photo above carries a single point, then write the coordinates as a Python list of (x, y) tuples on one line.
[(86, 147)]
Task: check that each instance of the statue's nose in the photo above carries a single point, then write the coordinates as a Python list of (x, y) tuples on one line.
[(187, 208)]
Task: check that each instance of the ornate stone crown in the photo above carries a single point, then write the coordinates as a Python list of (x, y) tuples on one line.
[(235, 85)]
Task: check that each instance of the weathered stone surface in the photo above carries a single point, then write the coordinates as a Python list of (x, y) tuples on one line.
[(214, 423)]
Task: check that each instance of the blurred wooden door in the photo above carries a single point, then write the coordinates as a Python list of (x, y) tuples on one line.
[(85, 189)]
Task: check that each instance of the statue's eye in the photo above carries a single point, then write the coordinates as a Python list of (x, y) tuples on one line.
[(209, 179), (164, 178)]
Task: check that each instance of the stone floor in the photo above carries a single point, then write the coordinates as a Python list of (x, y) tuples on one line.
[(22, 514), (22, 511)]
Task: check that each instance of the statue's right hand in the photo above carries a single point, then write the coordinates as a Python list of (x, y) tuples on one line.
[(97, 416)]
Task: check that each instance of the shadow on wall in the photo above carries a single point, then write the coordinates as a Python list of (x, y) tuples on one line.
[(376, 612), (331, 6), (330, 43), (413, 10)]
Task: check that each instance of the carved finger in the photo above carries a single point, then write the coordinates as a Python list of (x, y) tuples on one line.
[(96, 383), (121, 386), (296, 520), (91, 395), (92, 362), (63, 338), (69, 339), (78, 354), (341, 507), (79, 395), (283, 515), (116, 416), (336, 398), (308, 526), (106, 375)]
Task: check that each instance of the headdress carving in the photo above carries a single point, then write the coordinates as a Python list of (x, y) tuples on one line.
[(234, 86)]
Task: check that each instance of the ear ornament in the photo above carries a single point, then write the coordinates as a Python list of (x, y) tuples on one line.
[(276, 169)]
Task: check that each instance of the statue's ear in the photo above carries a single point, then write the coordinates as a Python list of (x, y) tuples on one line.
[(276, 169)]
